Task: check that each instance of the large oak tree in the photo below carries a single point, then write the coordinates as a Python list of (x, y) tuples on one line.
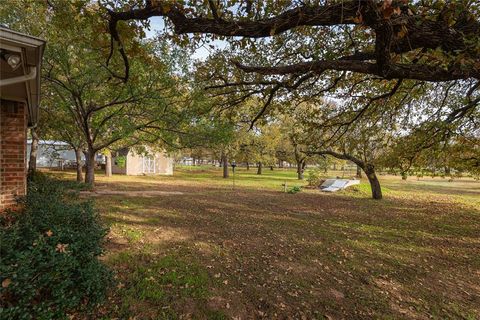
[(389, 39), (374, 56)]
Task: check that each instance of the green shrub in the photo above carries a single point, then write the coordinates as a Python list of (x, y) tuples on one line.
[(41, 178), (314, 177), (294, 189), (49, 252)]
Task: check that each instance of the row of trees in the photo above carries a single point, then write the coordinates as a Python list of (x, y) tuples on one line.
[(84, 100), (303, 135), (377, 83), (403, 76)]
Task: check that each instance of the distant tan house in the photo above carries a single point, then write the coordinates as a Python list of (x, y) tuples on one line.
[(20, 65), (132, 163)]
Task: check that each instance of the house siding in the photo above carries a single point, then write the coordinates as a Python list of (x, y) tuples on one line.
[(13, 142), (134, 164), (164, 164)]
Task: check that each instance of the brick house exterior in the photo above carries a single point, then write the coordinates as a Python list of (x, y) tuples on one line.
[(13, 135), (20, 62)]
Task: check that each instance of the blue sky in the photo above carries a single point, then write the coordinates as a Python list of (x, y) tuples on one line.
[(157, 24)]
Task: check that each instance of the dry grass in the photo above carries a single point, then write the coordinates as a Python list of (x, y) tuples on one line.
[(256, 252)]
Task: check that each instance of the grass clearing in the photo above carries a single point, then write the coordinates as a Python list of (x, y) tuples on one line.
[(256, 252), (156, 284)]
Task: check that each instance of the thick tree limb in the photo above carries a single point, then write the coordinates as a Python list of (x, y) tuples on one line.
[(399, 33), (338, 155), (395, 71)]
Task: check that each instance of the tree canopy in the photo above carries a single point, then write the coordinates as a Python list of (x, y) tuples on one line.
[(389, 39), (373, 57), (352, 79)]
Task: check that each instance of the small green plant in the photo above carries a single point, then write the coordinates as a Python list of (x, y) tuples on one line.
[(294, 189), (49, 251), (132, 235), (313, 177)]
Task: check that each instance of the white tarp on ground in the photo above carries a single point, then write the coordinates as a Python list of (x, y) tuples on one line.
[(332, 185)]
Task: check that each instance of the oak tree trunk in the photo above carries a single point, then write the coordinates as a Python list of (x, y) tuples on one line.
[(90, 167), (225, 166), (259, 169), (248, 165), (108, 164), (300, 170), (78, 159), (374, 182), (32, 161)]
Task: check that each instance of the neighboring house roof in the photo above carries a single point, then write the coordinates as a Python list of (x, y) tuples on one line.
[(21, 82), (49, 142)]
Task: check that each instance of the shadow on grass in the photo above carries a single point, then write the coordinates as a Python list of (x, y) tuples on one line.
[(397, 257)]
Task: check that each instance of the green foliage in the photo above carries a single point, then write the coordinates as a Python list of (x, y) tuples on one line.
[(121, 161), (49, 265), (314, 177), (67, 186), (132, 235), (294, 189)]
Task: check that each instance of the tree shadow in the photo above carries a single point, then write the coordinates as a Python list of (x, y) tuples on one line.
[(305, 245)]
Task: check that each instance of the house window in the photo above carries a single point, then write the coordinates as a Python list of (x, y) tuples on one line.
[(148, 164)]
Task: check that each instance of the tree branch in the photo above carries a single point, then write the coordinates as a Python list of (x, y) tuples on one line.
[(395, 71)]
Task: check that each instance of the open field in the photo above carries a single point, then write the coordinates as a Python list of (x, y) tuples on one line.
[(196, 248)]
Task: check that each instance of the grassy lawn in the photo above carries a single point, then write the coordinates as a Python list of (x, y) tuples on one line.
[(211, 252)]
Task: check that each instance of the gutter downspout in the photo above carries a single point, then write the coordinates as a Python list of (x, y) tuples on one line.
[(30, 76)]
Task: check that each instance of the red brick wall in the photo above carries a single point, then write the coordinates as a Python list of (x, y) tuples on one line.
[(13, 146)]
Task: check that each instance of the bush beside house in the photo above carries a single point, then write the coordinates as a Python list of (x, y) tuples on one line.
[(49, 253)]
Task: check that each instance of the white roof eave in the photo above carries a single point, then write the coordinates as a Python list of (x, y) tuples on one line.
[(10, 40)]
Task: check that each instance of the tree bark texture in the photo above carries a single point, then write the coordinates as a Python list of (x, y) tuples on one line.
[(225, 166), (32, 161), (259, 168), (79, 164), (108, 164), (90, 167)]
